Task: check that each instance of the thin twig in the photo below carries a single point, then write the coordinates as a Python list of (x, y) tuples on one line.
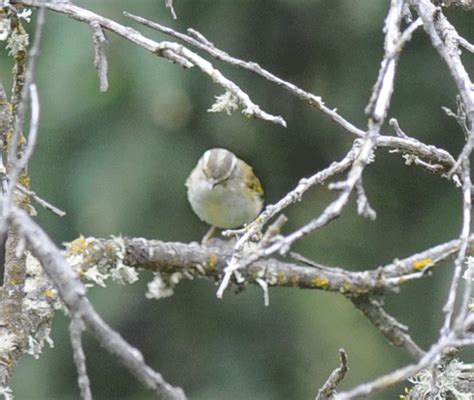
[(249, 108), (460, 259), (445, 40), (169, 6), (43, 203), (377, 110), (467, 45), (393, 122), (100, 59), (171, 51), (20, 164), (236, 261), (363, 206), (29, 89), (75, 329), (399, 375), (334, 379)]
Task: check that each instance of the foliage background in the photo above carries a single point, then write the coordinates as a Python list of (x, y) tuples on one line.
[(117, 162)]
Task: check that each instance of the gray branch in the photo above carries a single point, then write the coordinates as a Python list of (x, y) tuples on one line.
[(333, 380), (72, 293)]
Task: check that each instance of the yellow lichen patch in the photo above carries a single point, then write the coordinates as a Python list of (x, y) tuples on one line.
[(50, 294), (6, 361), (281, 278), (25, 180), (77, 246), (295, 280), (9, 136), (24, 203), (320, 282), (21, 140), (346, 287), (422, 264), (4, 103), (212, 262)]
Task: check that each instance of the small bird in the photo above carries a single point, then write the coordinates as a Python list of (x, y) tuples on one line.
[(223, 190)]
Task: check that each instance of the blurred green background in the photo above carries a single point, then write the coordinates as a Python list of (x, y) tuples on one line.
[(117, 163)]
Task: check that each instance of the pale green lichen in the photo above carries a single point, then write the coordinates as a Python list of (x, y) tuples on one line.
[(17, 42), (445, 381), (8, 342), (163, 285), (5, 29), (36, 343), (96, 261), (41, 300), (226, 102), (25, 14), (124, 274), (94, 275), (469, 273), (6, 392), (158, 288)]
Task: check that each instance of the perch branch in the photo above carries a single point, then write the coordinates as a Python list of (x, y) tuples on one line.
[(72, 292), (194, 260)]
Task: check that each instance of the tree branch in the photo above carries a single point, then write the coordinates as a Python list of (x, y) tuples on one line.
[(72, 293), (171, 51)]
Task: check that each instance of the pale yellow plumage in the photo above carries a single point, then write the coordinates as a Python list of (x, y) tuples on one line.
[(223, 190)]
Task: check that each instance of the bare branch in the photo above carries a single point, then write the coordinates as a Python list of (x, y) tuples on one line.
[(394, 124), (100, 59), (467, 45), (399, 375), (445, 40), (43, 203), (363, 205), (83, 15), (293, 196), (249, 108), (333, 380), (409, 145), (76, 327), (169, 5), (394, 331), (460, 259), (172, 51), (284, 243)]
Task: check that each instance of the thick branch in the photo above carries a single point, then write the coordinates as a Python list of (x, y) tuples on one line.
[(72, 293), (393, 330), (209, 261)]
